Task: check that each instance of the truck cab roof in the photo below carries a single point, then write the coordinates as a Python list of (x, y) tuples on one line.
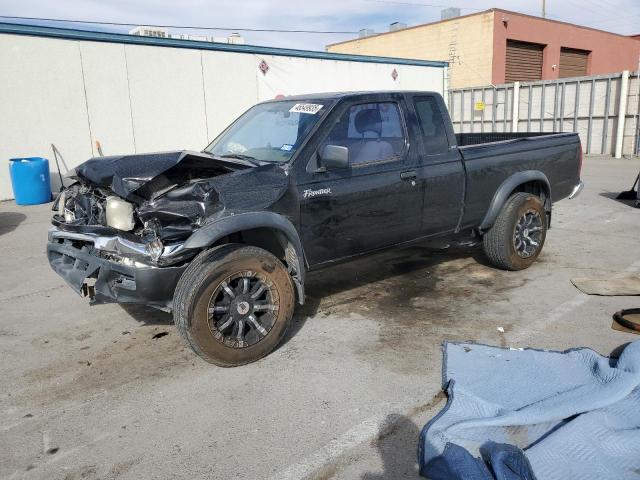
[(348, 95)]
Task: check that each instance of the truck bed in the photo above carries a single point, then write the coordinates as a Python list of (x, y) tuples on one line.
[(466, 139), (492, 158)]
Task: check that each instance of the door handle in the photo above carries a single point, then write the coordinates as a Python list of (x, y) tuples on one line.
[(411, 175)]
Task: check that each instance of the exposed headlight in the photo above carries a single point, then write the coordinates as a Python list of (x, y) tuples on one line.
[(62, 200), (120, 214), (69, 216)]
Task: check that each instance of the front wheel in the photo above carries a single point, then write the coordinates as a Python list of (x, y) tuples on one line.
[(516, 238), (233, 304)]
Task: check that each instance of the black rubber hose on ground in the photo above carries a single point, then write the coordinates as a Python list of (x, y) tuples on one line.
[(618, 317)]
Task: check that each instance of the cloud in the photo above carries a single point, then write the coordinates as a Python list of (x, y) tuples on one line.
[(342, 15)]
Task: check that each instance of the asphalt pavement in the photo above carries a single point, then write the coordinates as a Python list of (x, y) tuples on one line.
[(110, 392)]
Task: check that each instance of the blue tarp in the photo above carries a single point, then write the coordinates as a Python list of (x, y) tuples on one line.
[(527, 414)]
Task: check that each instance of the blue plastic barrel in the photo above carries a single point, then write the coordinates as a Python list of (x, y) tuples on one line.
[(30, 180)]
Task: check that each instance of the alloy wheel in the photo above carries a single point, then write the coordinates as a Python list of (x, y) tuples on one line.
[(243, 309), (527, 235)]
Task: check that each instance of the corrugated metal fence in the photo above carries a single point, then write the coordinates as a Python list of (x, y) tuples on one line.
[(587, 105)]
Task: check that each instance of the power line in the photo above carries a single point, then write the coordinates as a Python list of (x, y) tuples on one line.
[(583, 7), (548, 15), (626, 19), (184, 27), (412, 4), (606, 4), (416, 4), (273, 30)]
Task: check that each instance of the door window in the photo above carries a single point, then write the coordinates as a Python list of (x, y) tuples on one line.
[(434, 135), (372, 132)]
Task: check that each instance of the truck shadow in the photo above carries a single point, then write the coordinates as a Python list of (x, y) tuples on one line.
[(9, 221), (381, 270), (147, 315), (395, 268)]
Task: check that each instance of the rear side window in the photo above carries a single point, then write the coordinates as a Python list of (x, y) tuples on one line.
[(373, 132), (434, 135)]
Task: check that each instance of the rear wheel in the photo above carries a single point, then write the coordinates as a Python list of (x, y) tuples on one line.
[(516, 238), (234, 304)]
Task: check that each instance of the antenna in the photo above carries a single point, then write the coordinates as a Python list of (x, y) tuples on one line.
[(55, 156)]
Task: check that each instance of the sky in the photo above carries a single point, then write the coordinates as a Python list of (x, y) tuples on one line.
[(620, 16)]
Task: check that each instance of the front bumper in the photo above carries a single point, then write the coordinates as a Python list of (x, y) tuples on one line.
[(96, 274)]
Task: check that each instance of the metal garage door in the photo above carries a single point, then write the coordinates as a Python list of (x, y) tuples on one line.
[(524, 61), (573, 62)]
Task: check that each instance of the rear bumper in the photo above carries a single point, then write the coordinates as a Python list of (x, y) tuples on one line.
[(576, 190), (107, 281)]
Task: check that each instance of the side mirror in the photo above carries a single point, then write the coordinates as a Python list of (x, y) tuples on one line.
[(334, 156)]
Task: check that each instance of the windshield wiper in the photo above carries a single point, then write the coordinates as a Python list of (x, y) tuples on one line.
[(239, 156)]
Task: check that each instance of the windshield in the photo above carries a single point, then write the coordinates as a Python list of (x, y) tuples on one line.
[(269, 132)]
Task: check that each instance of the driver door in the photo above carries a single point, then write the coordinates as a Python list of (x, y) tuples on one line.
[(373, 202)]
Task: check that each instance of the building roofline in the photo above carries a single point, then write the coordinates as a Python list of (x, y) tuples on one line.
[(87, 35), (428, 24), (510, 12), (560, 21)]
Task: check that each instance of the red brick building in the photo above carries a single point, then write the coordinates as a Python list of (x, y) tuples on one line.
[(498, 46), (557, 49)]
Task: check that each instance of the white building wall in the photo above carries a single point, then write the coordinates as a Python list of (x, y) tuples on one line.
[(107, 88), (137, 98), (42, 102), (230, 87), (293, 76), (167, 98)]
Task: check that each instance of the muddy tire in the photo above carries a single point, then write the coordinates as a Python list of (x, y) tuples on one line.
[(233, 304), (516, 238)]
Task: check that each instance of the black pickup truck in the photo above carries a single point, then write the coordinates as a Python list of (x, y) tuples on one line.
[(224, 237)]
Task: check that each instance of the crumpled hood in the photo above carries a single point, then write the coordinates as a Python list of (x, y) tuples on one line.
[(177, 192), (126, 174)]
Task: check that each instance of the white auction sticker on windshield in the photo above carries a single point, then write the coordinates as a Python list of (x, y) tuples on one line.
[(311, 108)]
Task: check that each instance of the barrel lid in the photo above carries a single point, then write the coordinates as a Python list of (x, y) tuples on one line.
[(28, 159)]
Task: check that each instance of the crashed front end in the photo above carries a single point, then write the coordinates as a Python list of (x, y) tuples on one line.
[(121, 239), (93, 266)]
